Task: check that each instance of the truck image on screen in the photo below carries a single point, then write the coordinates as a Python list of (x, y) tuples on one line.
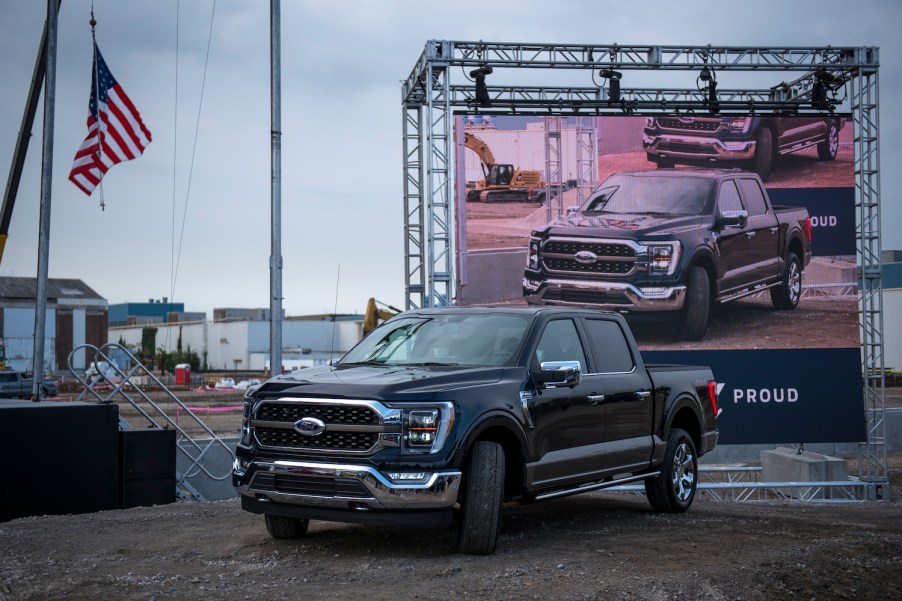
[(672, 242)]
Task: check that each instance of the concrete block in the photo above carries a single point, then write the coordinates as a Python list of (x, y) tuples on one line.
[(788, 465)]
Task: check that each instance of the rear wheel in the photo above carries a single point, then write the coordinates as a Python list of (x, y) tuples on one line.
[(826, 150), (674, 490), (763, 162), (789, 292), (697, 309), (280, 526), (483, 495)]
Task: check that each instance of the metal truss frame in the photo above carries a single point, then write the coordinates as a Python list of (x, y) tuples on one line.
[(438, 84)]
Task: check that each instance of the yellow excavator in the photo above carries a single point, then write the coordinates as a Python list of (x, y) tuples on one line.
[(374, 314), (502, 183)]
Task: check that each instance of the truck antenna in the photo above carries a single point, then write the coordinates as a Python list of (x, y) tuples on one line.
[(334, 314)]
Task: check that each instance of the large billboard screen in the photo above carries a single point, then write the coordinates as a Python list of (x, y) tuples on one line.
[(726, 241)]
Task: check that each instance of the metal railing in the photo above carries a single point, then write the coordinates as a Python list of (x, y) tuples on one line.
[(197, 451)]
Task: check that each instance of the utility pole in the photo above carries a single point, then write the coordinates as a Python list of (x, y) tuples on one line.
[(40, 312), (275, 257)]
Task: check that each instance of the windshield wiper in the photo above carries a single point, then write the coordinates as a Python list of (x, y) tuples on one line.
[(429, 364)]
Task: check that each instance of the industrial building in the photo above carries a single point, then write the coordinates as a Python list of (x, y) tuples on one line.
[(76, 315), (153, 311), (892, 309), (243, 344)]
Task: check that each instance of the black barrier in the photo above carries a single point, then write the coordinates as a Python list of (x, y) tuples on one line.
[(783, 396)]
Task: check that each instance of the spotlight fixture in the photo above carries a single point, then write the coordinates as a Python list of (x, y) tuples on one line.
[(482, 93), (707, 83), (613, 78), (823, 82)]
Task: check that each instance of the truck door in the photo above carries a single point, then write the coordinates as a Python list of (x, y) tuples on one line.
[(734, 243), (763, 222), (628, 403), (569, 421)]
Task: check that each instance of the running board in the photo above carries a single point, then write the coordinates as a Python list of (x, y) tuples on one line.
[(590, 487), (749, 291)]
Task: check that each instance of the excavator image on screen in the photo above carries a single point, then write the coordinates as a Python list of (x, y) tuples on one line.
[(502, 183)]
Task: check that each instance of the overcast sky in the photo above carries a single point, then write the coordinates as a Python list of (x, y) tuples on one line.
[(342, 62)]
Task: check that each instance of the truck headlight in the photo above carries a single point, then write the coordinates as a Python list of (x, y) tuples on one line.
[(246, 421), (532, 255), (425, 429), (662, 257), (739, 124)]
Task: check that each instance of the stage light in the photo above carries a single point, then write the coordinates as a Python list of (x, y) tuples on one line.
[(482, 93), (613, 78), (707, 83), (823, 81)]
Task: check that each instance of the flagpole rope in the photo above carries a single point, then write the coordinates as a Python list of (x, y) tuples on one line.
[(178, 256), (175, 149)]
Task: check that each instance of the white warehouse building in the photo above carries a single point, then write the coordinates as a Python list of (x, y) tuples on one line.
[(244, 344)]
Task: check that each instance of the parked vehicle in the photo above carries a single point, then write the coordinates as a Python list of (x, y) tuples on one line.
[(750, 142), (671, 242), (451, 412), (19, 385)]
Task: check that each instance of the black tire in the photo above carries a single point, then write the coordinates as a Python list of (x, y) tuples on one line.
[(697, 310), (826, 150), (763, 163), (483, 495), (674, 490), (789, 292), (473, 196), (280, 526)]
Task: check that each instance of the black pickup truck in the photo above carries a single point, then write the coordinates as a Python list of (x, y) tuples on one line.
[(671, 242), (752, 142), (450, 412)]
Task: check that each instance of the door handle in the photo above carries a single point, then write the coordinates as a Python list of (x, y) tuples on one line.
[(749, 234), (595, 399), (642, 394), (774, 230)]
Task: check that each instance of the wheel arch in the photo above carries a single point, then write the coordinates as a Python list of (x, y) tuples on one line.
[(501, 429), (685, 416)]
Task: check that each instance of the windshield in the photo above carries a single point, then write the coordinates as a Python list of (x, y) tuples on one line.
[(645, 194), (444, 339)]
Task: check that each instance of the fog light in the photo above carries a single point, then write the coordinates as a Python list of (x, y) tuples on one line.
[(407, 476)]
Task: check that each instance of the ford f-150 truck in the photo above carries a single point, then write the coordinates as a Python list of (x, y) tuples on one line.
[(451, 412), (18, 385), (751, 142), (671, 241)]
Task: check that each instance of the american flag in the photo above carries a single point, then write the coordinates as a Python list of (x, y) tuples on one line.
[(115, 130)]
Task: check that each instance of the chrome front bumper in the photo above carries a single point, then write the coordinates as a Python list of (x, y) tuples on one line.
[(438, 490), (698, 148), (638, 299)]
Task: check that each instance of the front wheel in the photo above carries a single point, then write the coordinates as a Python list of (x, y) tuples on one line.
[(696, 313), (789, 292), (763, 162), (483, 495), (280, 526), (674, 489), (826, 150)]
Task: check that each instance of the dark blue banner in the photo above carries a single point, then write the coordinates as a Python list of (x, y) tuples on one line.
[(832, 212), (783, 396)]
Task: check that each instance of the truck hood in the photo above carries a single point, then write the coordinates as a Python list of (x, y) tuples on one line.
[(387, 382), (623, 225)]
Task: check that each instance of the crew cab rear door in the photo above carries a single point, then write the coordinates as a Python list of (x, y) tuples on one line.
[(628, 403), (763, 222), (569, 421)]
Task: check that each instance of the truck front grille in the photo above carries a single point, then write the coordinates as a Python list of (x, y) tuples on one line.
[(350, 426), (308, 485), (709, 125), (581, 257)]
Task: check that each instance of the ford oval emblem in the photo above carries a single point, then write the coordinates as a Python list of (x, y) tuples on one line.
[(310, 426), (586, 257)]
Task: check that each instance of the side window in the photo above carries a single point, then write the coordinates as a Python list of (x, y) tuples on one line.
[(728, 199), (609, 346), (560, 342), (6, 378), (754, 197)]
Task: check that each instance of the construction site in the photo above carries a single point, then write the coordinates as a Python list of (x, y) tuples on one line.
[(283, 469)]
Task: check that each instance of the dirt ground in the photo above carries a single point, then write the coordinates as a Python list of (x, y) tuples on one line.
[(595, 546)]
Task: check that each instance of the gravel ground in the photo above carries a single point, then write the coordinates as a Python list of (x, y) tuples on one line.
[(593, 546)]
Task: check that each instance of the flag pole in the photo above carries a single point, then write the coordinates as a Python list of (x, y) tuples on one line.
[(275, 257), (40, 313)]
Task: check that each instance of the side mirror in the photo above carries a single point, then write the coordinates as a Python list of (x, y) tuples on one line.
[(558, 374), (734, 219), (573, 210)]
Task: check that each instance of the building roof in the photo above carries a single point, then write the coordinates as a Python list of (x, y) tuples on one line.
[(12, 288)]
